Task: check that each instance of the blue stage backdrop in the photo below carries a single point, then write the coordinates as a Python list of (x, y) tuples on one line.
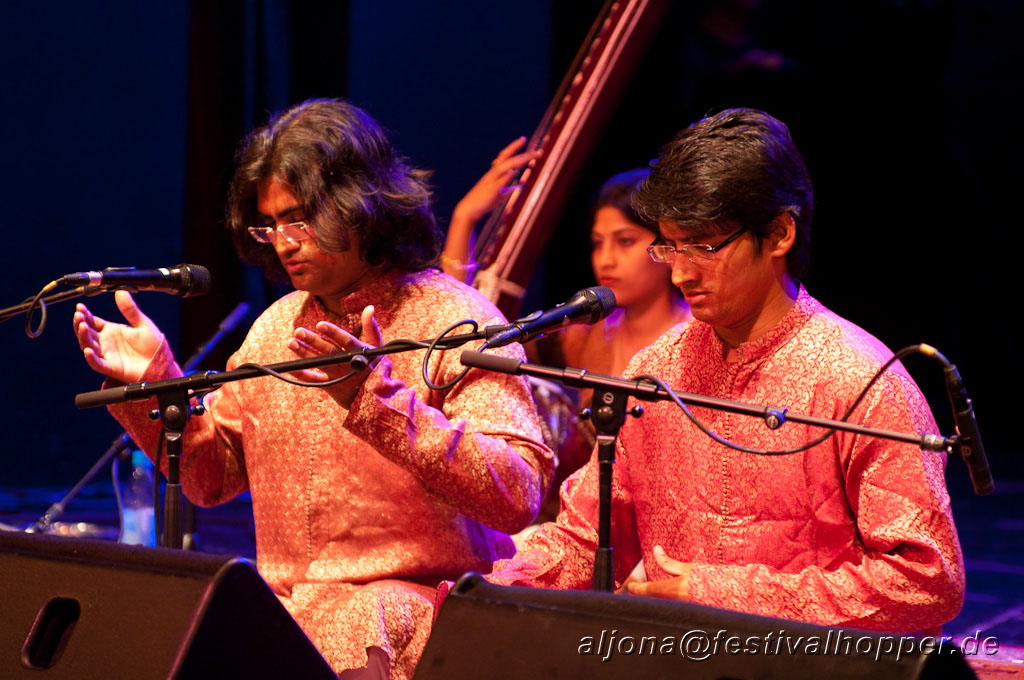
[(120, 118), (94, 129)]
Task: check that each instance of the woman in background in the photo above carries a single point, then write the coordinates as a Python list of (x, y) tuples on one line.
[(648, 304)]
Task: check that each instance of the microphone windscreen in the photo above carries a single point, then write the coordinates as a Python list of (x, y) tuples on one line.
[(198, 280), (604, 297)]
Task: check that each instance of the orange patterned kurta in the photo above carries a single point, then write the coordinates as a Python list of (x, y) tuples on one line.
[(857, 531), (360, 513)]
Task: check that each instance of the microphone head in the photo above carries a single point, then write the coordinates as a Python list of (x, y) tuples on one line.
[(600, 300), (195, 280)]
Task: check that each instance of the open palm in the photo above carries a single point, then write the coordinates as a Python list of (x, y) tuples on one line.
[(120, 351)]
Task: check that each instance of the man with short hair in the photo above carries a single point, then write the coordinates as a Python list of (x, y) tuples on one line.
[(854, 531), (368, 492)]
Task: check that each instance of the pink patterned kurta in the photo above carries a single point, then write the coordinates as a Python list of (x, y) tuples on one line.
[(857, 531), (360, 513)]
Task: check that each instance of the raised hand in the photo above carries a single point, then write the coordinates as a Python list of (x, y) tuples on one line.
[(484, 195), (479, 201), (328, 339), (122, 352)]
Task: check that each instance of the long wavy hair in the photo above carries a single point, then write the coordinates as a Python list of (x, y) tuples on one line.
[(340, 164)]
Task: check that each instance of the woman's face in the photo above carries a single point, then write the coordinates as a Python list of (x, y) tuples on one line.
[(620, 260)]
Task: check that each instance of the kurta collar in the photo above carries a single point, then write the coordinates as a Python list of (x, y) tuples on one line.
[(802, 310), (379, 292)]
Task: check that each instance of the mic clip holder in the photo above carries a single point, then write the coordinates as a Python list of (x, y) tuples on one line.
[(359, 362), (775, 417)]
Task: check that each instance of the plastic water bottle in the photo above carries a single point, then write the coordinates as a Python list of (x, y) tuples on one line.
[(137, 527)]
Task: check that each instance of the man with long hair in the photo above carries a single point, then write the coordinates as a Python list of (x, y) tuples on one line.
[(366, 492)]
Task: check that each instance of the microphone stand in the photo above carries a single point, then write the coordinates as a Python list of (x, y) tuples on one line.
[(174, 412), (53, 513), (612, 393), (174, 408), (608, 414), (9, 312), (204, 382), (123, 441), (190, 540)]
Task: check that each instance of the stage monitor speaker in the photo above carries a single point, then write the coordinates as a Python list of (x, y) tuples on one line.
[(489, 631), (80, 608)]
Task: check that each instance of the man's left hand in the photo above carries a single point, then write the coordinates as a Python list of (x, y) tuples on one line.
[(328, 339), (675, 588)]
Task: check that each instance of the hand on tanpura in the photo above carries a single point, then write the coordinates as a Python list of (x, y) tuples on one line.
[(478, 202), (494, 183)]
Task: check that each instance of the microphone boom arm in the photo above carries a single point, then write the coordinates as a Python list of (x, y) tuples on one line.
[(644, 390), (203, 382), (9, 312)]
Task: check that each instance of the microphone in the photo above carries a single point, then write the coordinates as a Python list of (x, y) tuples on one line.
[(969, 439), (587, 306), (184, 280)]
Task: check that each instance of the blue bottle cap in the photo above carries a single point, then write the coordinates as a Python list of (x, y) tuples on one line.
[(139, 459)]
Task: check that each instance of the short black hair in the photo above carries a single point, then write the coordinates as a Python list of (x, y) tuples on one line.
[(737, 168)]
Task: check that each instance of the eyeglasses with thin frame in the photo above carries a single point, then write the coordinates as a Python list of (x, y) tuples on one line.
[(295, 231), (697, 253)]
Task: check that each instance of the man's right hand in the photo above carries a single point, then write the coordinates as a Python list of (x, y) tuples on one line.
[(122, 352)]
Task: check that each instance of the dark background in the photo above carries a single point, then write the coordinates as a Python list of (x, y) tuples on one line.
[(120, 120)]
